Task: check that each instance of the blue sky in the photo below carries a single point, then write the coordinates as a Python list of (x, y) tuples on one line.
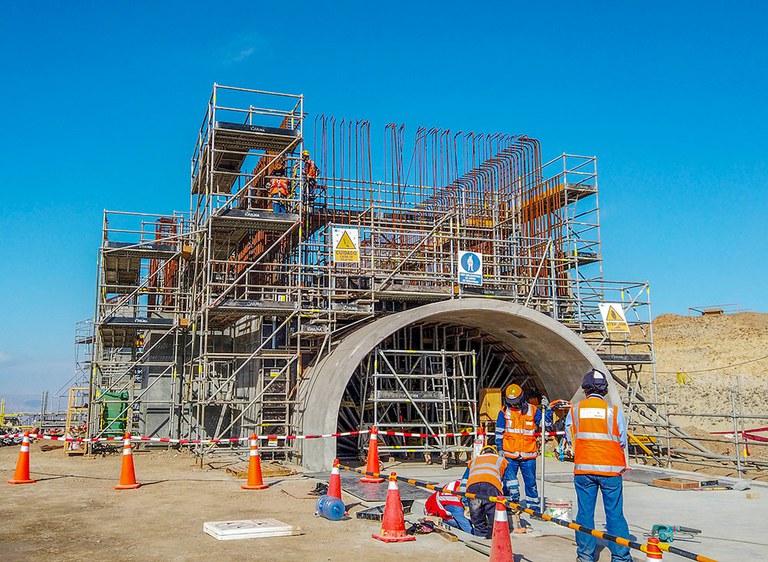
[(102, 102)]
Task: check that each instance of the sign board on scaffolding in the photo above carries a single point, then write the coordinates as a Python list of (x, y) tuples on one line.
[(346, 244), (470, 268), (614, 320)]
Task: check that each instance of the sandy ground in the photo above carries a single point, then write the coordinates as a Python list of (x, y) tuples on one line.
[(73, 513)]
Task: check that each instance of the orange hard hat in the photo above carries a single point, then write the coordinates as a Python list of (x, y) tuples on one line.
[(513, 391)]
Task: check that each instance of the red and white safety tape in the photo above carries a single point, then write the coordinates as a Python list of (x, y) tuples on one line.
[(268, 438)]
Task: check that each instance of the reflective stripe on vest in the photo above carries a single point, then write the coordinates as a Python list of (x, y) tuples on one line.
[(597, 440), (486, 468), (519, 440)]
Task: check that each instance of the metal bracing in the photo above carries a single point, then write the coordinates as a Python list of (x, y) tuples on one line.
[(237, 301)]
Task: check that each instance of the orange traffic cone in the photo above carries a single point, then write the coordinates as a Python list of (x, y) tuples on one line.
[(393, 522), (334, 486), (652, 550), (127, 473), (501, 545), (255, 481), (477, 446), (21, 476), (372, 463)]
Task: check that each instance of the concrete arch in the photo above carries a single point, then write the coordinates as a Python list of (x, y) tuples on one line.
[(559, 356)]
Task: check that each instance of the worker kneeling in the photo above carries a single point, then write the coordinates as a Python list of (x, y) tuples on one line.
[(516, 428), (448, 507), (483, 478)]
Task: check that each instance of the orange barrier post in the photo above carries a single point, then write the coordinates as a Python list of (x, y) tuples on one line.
[(372, 463), (127, 473), (393, 522), (255, 481), (501, 545), (21, 476), (334, 486), (652, 552)]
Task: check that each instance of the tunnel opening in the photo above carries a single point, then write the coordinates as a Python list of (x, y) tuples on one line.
[(429, 378)]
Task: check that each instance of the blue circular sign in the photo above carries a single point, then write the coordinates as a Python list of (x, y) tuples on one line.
[(470, 262)]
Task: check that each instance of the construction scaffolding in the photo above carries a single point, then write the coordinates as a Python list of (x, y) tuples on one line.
[(206, 324)]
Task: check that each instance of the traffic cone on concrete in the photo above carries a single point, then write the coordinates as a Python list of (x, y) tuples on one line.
[(334, 486), (21, 476), (479, 443), (652, 550), (393, 522), (127, 473), (501, 545), (372, 464), (255, 481)]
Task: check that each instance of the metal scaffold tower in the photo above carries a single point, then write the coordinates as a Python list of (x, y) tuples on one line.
[(206, 325)]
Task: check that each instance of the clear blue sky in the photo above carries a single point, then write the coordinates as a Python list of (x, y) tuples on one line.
[(102, 102)]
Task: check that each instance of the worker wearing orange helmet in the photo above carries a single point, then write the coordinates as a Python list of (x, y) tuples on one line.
[(517, 427)]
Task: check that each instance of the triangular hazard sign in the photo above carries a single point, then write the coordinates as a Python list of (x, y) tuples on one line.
[(346, 242), (613, 316)]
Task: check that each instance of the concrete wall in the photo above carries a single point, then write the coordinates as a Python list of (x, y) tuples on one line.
[(558, 355)]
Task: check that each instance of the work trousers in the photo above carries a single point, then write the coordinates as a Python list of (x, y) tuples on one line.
[(278, 203), (528, 469), (458, 519), (482, 511), (612, 489)]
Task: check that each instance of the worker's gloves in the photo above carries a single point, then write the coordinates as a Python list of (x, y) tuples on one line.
[(544, 402)]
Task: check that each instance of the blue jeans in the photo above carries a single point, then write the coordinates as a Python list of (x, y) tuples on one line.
[(458, 518), (612, 490), (278, 206), (528, 469)]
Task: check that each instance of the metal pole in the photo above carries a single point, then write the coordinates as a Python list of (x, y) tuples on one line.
[(736, 433), (544, 408)]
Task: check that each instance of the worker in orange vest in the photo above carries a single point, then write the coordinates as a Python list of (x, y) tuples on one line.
[(278, 191), (483, 477), (310, 172), (449, 507), (517, 429), (598, 432)]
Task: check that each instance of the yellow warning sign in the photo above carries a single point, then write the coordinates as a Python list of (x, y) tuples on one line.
[(614, 319), (346, 245)]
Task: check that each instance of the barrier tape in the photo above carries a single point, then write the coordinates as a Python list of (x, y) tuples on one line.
[(245, 439), (537, 514)]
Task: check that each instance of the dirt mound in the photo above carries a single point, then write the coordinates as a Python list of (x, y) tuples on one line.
[(702, 360)]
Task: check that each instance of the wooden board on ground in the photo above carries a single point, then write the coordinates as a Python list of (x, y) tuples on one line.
[(674, 483), (249, 529)]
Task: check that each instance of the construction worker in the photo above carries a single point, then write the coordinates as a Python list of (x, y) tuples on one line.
[(484, 477), (599, 436), (517, 427), (448, 507), (310, 172), (278, 190)]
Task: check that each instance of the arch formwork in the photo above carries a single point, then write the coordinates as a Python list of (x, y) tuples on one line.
[(558, 355)]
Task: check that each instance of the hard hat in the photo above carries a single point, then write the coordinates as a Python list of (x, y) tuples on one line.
[(490, 449), (305, 152), (595, 381), (514, 396)]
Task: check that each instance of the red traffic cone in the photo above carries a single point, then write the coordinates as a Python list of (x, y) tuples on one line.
[(652, 550), (21, 476), (501, 545), (393, 522), (334, 486), (127, 473), (372, 463), (255, 481)]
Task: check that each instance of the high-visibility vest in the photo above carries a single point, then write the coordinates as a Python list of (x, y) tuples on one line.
[(519, 439), (310, 170), (278, 187), (596, 437), (487, 468), (437, 502)]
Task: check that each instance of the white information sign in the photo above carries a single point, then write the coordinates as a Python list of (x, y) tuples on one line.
[(470, 268)]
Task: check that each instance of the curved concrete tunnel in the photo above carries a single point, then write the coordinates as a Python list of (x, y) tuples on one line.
[(557, 354)]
